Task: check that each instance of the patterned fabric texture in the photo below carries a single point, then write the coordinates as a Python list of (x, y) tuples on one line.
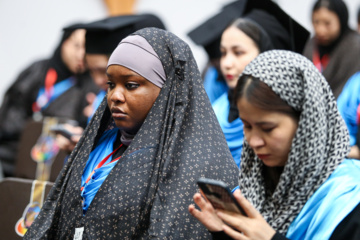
[(147, 194), (320, 144)]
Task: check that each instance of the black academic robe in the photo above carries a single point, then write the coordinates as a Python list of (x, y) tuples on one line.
[(16, 108)]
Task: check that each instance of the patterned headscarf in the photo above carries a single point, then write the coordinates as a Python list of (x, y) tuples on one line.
[(320, 143), (147, 193)]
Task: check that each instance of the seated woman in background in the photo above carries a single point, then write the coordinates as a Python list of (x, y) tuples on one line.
[(295, 180), (134, 171), (241, 42), (335, 47)]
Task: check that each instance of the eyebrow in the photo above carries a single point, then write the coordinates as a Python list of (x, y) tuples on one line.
[(125, 76), (259, 123), (234, 46)]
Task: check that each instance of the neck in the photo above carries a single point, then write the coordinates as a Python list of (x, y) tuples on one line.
[(126, 138), (272, 177)]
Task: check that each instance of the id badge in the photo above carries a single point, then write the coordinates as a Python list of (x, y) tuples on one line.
[(79, 233)]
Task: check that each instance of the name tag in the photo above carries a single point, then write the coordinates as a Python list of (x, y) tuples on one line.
[(79, 233)]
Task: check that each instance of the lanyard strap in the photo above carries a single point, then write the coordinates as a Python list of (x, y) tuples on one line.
[(320, 64), (102, 163), (50, 80)]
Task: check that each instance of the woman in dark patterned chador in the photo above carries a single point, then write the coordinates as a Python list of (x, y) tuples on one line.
[(295, 180), (158, 127)]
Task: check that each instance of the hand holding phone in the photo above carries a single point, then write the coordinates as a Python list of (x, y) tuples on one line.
[(219, 195), (60, 129)]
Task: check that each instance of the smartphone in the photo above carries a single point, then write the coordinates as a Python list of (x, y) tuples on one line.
[(60, 129), (219, 195)]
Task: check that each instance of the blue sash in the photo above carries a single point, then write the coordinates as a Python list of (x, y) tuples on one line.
[(43, 100), (234, 131), (104, 148), (329, 205), (213, 87), (348, 102), (99, 97)]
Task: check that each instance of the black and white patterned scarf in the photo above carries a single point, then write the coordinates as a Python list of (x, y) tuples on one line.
[(319, 146)]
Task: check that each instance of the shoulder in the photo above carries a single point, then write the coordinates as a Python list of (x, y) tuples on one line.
[(39, 66), (221, 102), (221, 107), (309, 48), (351, 38), (346, 175)]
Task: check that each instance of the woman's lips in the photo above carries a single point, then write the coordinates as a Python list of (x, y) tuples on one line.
[(118, 113), (229, 77), (263, 156)]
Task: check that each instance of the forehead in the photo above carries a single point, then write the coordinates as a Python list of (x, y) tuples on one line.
[(233, 37), (252, 113), (120, 71), (325, 13), (98, 60)]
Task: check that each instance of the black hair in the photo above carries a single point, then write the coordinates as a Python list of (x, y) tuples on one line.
[(338, 7), (250, 28), (254, 31), (262, 96)]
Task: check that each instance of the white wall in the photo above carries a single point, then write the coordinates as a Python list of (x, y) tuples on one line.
[(301, 11), (30, 29)]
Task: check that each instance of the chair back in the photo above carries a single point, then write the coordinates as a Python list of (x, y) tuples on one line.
[(34, 141), (20, 202)]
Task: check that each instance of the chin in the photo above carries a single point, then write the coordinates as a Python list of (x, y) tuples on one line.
[(323, 42), (272, 164)]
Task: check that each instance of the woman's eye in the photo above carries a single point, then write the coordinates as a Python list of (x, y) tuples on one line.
[(268, 129), (111, 85), (247, 126), (239, 53), (132, 85)]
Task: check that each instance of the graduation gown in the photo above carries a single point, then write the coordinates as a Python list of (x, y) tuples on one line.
[(16, 108)]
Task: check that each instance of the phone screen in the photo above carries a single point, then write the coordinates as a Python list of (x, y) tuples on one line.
[(220, 199), (219, 195)]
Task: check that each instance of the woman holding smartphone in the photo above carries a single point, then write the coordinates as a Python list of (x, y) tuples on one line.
[(295, 180)]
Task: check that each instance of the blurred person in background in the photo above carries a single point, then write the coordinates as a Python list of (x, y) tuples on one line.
[(51, 87), (208, 35), (335, 47)]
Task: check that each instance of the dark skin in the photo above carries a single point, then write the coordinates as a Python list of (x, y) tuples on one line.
[(130, 97)]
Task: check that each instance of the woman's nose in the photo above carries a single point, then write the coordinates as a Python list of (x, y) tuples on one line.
[(320, 29), (117, 95), (227, 61), (255, 141)]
